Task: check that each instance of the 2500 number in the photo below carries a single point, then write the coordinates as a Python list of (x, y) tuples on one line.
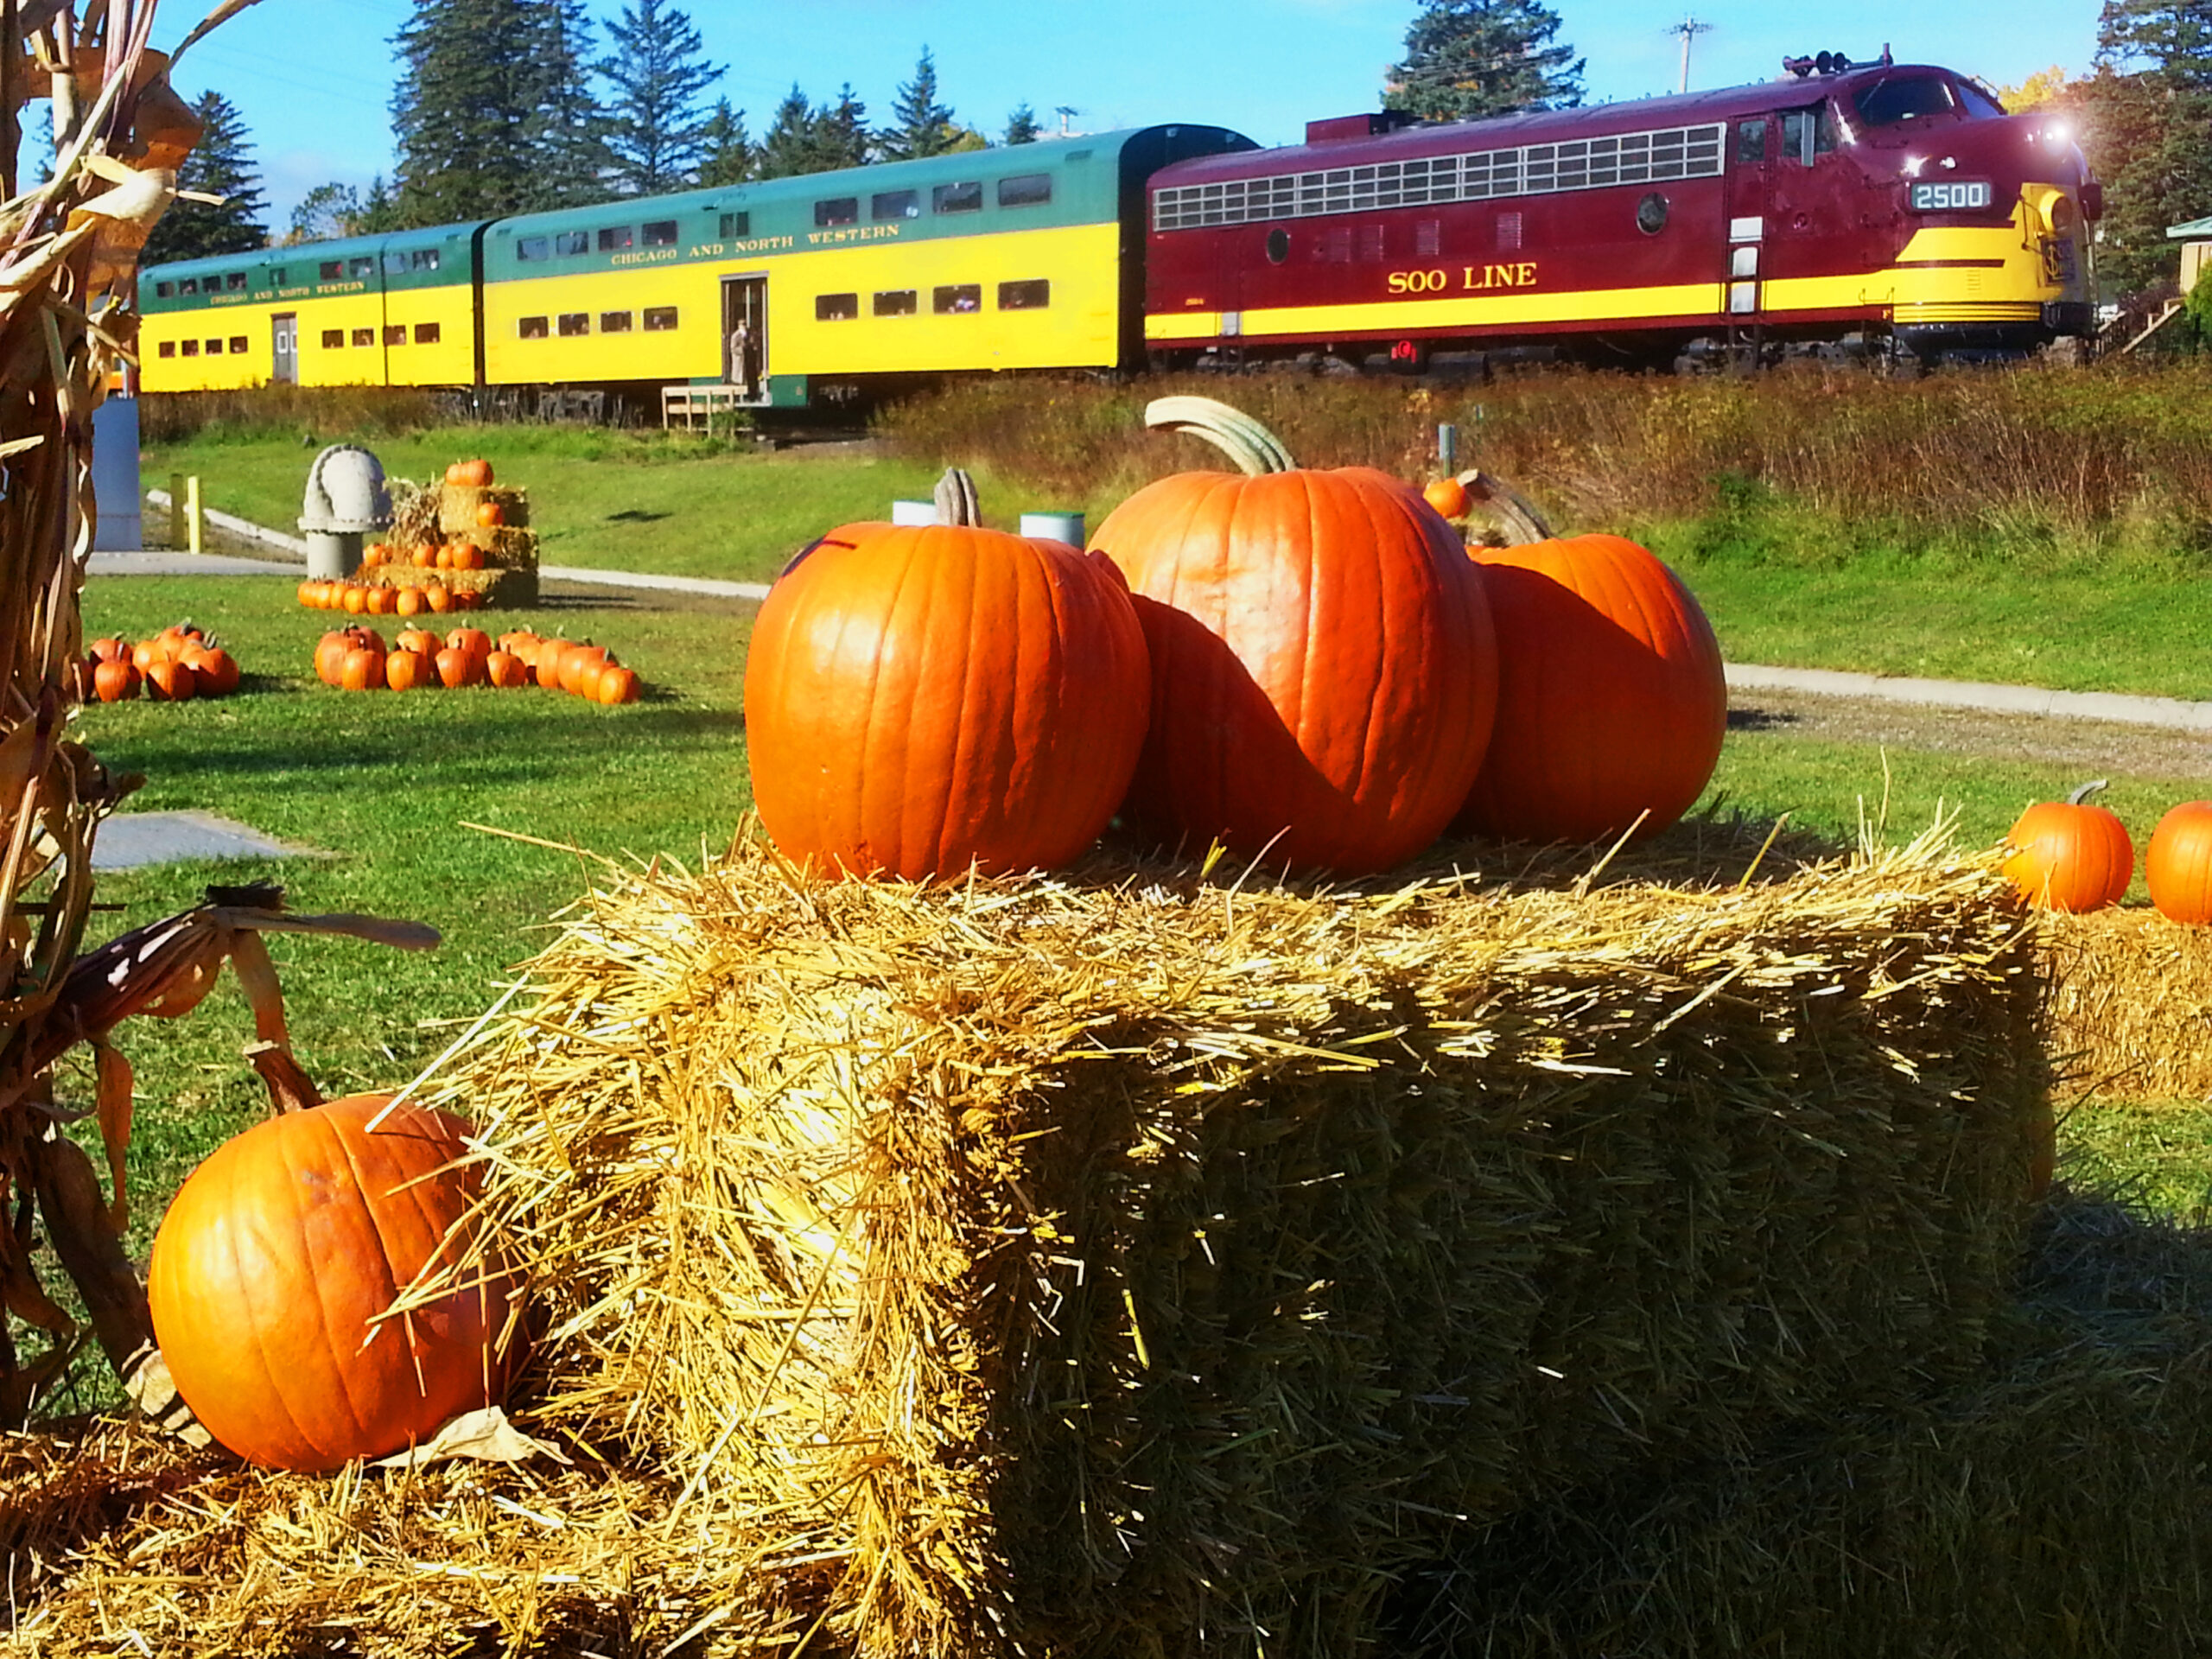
[(1950, 196)]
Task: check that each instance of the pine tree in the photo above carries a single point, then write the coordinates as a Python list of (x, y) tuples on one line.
[(465, 108), (493, 112), (1467, 59), (730, 155), (2143, 115), (786, 148), (221, 164), (921, 125), (807, 139), (842, 134), (1022, 126), (568, 129), (656, 138)]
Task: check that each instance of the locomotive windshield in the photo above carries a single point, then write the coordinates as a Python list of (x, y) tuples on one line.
[(1895, 99)]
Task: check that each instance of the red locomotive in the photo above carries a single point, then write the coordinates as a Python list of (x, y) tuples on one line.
[(1896, 203)]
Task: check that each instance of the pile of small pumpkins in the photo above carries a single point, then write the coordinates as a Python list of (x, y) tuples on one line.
[(176, 664), (357, 659), (2075, 855), (1310, 668), (366, 598)]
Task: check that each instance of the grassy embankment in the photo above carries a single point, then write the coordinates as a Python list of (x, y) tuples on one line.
[(2097, 588)]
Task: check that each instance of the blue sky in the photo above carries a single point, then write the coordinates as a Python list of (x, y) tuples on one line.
[(314, 78)]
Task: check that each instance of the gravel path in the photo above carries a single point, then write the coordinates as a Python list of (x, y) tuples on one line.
[(2094, 746)]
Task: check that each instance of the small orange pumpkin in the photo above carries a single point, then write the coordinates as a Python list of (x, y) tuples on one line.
[(1448, 496), (505, 670), (490, 515), (2070, 855), (457, 667), (614, 685), (410, 602), (171, 681), (115, 680), (2177, 864), (215, 669), (438, 597), (405, 670), (474, 474), (362, 670)]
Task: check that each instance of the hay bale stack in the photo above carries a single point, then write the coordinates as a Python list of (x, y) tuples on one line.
[(1132, 1264), (2055, 1507), (2131, 1003), (457, 504)]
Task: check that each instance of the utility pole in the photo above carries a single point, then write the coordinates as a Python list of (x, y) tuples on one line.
[(1688, 29), (1067, 113)]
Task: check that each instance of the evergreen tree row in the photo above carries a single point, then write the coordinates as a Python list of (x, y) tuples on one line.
[(509, 106)]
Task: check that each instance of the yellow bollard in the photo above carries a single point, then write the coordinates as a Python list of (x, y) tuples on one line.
[(193, 523), (177, 510)]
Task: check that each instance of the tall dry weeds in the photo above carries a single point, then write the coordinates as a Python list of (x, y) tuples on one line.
[(2119, 455)]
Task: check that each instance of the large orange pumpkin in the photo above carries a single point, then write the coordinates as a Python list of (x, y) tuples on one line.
[(277, 1258), (921, 698), (2070, 855), (1324, 675), (2177, 864), (1611, 704)]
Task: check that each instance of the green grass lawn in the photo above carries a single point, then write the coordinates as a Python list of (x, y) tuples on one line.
[(685, 506), (673, 505), (2150, 635), (382, 787)]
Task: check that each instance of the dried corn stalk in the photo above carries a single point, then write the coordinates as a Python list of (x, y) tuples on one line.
[(68, 254)]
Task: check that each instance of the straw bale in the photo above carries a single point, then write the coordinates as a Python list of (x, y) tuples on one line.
[(499, 588), (457, 504), (1138, 1264), (118, 1540), (2055, 1507), (2131, 1003)]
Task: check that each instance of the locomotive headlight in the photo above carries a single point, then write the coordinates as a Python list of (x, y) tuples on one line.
[(2054, 210), (1912, 166)]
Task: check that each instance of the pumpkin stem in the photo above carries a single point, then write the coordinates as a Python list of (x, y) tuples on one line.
[(1237, 435), (2085, 791), (291, 1090), (1511, 511), (955, 500)]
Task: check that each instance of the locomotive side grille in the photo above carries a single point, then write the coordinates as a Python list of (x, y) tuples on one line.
[(1575, 164)]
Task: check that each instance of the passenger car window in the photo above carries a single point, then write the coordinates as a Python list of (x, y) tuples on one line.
[(1024, 189), (958, 198), (571, 243), (660, 233), (531, 247), (895, 204), (838, 209), (613, 238)]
